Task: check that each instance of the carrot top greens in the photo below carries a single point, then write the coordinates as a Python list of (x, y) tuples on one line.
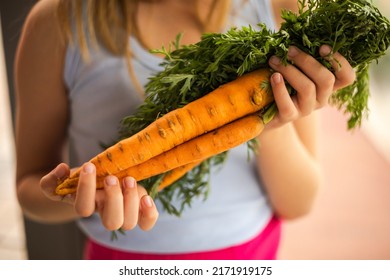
[(355, 28)]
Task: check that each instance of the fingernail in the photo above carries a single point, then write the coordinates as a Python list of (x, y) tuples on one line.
[(277, 78), (129, 182), (275, 60), (111, 180), (88, 168), (325, 50), (292, 51), (148, 201)]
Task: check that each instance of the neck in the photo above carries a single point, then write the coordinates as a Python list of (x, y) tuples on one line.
[(160, 21)]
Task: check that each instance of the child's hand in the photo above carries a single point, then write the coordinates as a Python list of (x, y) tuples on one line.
[(313, 82), (121, 205)]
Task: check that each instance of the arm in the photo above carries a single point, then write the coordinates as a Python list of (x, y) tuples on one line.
[(42, 111), (41, 128), (288, 160), (289, 166)]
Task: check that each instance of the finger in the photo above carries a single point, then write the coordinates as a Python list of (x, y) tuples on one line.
[(112, 212), (50, 181), (148, 213), (286, 108), (345, 74), (322, 78), (130, 203), (141, 191), (306, 89), (86, 191)]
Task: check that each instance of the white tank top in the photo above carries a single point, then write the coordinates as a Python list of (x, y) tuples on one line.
[(101, 94)]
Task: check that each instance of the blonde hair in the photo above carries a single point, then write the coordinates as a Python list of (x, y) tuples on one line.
[(111, 22)]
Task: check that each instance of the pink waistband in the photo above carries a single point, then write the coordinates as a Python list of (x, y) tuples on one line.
[(263, 247)]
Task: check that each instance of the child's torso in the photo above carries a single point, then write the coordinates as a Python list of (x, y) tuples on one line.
[(101, 93)]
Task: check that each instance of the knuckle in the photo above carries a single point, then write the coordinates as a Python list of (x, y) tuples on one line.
[(323, 101), (304, 109), (305, 112), (310, 89), (307, 93), (326, 89), (329, 80), (288, 114)]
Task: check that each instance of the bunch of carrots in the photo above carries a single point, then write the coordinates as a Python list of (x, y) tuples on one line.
[(215, 95), (215, 123)]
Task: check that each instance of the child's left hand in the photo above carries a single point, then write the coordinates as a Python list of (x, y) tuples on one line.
[(121, 205), (313, 83)]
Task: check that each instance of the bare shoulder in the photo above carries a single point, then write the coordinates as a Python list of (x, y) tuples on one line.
[(42, 24), (43, 11), (41, 45), (40, 56)]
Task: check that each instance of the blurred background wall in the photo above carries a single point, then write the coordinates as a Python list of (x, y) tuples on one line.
[(351, 218), (21, 237)]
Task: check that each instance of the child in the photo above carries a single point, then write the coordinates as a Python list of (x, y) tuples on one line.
[(79, 69)]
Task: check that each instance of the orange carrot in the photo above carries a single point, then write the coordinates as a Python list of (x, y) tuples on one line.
[(192, 151), (169, 178), (175, 174), (243, 96)]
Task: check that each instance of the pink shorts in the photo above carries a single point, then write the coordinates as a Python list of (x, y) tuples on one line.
[(262, 247)]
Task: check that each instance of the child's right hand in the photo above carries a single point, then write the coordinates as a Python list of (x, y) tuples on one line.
[(121, 205)]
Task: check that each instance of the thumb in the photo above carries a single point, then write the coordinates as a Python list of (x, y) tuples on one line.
[(50, 181)]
